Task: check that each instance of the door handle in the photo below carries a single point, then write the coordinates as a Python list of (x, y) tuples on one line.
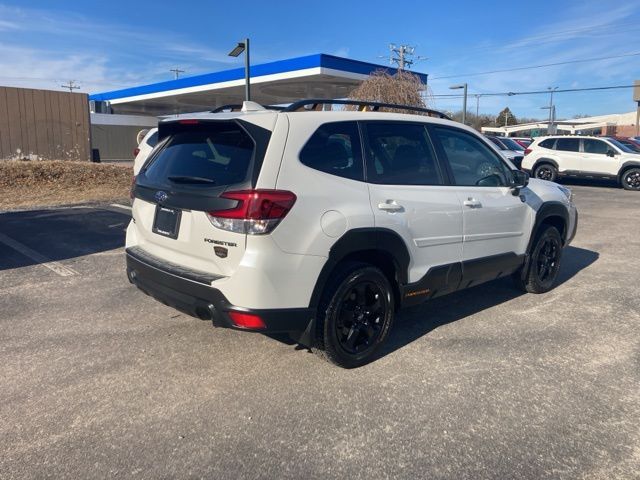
[(390, 206), (472, 203)]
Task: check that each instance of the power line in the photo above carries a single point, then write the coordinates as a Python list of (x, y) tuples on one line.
[(544, 65), (535, 92)]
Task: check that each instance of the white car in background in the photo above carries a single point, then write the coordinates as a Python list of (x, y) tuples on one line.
[(550, 158), (144, 148)]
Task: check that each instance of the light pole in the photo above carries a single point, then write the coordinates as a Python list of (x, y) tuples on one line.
[(464, 102), (551, 110), (244, 47), (478, 95)]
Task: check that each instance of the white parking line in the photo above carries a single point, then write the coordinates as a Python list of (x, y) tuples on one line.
[(37, 257), (126, 207)]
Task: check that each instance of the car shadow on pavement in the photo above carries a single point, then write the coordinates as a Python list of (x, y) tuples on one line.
[(33, 237), (415, 322), (590, 182)]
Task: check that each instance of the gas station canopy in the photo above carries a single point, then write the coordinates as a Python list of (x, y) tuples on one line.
[(274, 83)]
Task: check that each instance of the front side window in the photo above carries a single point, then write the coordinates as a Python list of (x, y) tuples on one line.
[(335, 148), (595, 146), (472, 162), (400, 154), (568, 144)]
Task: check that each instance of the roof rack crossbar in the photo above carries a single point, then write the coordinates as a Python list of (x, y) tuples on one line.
[(313, 103)]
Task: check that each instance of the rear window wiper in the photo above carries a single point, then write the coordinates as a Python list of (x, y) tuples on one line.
[(189, 179)]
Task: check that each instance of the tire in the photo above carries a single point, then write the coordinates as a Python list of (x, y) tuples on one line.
[(630, 179), (546, 171), (544, 262), (355, 315)]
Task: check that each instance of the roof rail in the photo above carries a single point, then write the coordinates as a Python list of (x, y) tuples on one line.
[(313, 103), (236, 107)]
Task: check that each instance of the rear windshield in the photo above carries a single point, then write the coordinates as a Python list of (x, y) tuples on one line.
[(211, 154), (511, 144)]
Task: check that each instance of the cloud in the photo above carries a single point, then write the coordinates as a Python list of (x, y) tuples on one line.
[(97, 55), (6, 25)]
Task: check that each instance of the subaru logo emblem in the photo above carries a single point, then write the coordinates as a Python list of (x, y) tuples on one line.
[(161, 196)]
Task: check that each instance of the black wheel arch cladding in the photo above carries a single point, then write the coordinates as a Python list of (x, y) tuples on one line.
[(384, 241)]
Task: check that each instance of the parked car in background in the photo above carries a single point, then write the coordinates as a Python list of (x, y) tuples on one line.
[(144, 148), (510, 149), (524, 142), (550, 158), (630, 143)]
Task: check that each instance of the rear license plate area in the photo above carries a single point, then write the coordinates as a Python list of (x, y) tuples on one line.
[(166, 221)]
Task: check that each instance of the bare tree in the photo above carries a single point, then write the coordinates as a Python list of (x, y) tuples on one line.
[(403, 88)]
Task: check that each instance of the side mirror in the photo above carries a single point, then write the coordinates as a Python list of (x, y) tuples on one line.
[(519, 180), (611, 153)]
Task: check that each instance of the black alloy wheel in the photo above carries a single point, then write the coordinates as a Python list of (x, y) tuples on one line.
[(548, 259), (540, 273), (360, 317), (631, 179), (355, 315), (546, 172)]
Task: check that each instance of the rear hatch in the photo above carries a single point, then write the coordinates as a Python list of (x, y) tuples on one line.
[(195, 164)]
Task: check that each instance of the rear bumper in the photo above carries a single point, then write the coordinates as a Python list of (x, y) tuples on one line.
[(170, 285)]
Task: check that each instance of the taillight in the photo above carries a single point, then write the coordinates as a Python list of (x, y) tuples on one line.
[(527, 151), (246, 320), (133, 187), (256, 213), (136, 151)]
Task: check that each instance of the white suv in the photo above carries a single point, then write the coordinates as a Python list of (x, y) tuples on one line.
[(549, 158), (323, 224)]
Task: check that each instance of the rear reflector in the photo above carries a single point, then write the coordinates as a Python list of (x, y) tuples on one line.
[(247, 320), (527, 151), (136, 151), (188, 122)]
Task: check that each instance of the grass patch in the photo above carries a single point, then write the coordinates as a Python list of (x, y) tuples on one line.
[(55, 182)]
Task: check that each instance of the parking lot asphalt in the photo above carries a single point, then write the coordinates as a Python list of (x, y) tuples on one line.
[(99, 380)]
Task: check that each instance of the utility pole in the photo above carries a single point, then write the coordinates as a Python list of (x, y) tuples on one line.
[(176, 72), (551, 110), (71, 86), (506, 118), (477, 95), (399, 55)]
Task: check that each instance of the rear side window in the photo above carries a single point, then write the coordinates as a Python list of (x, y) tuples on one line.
[(211, 154), (400, 154), (568, 144), (595, 146), (548, 143), (335, 148)]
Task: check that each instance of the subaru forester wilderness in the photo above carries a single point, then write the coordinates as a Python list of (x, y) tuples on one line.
[(323, 224)]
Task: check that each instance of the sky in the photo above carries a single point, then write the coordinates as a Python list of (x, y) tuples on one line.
[(110, 45)]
